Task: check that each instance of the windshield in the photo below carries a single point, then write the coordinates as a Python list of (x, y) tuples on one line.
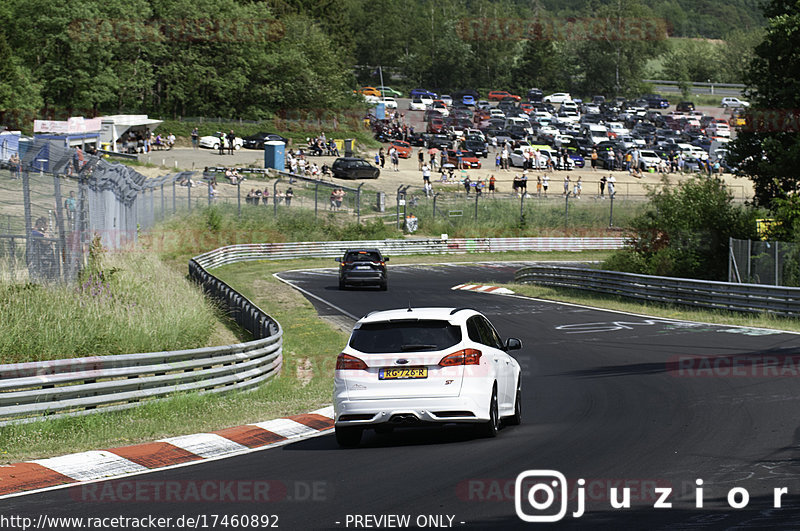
[(405, 336)]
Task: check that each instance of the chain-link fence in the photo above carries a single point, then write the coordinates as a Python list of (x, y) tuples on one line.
[(55, 200), (763, 262)]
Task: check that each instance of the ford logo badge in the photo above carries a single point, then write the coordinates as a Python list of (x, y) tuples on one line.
[(402, 362)]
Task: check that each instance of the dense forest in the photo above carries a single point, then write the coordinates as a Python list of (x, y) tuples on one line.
[(249, 59)]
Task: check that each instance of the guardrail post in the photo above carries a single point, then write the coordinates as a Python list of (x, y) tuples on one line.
[(316, 189), (358, 204), (239, 197), (611, 212)]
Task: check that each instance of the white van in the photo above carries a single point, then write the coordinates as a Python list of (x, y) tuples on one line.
[(519, 122)]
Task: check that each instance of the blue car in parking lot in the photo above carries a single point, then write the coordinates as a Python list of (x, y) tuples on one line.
[(416, 93), (467, 99)]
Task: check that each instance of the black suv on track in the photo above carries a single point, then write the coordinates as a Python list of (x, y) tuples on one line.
[(363, 267)]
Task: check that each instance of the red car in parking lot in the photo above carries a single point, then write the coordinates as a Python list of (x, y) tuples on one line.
[(468, 159), (403, 148), (436, 125), (498, 95)]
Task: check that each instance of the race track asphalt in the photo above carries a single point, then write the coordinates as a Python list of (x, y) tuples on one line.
[(615, 399)]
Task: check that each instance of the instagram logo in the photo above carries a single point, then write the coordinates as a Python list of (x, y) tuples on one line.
[(535, 493)]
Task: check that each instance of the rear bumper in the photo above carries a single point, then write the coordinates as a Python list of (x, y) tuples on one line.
[(363, 277), (409, 411)]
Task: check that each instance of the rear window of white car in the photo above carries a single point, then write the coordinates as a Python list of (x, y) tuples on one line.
[(405, 336)]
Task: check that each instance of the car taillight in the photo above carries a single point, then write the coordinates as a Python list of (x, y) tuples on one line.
[(346, 361), (468, 356)]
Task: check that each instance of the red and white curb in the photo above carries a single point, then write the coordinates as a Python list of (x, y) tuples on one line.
[(70, 469), (483, 289)]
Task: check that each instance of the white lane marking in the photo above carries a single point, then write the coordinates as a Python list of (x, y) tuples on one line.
[(86, 466), (320, 299), (205, 444), (285, 427)]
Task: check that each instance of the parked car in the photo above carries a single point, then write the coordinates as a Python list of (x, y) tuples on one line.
[(437, 141), (656, 101), (535, 94), (213, 141), (498, 95), (422, 92), (447, 99), (425, 366), (403, 148), (684, 106), (370, 91), (354, 168), (435, 125), (363, 267), (389, 91), (468, 100), (257, 140), (468, 159), (558, 97), (416, 104), (734, 103), (476, 146), (389, 103)]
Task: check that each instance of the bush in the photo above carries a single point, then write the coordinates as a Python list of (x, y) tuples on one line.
[(685, 232)]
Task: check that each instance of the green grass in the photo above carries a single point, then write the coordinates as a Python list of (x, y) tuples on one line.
[(306, 341), (138, 305)]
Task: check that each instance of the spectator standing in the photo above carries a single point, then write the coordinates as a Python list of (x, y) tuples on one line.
[(16, 165), (231, 141), (566, 185), (539, 185), (492, 182), (71, 206), (195, 138), (523, 183), (289, 196), (382, 157), (576, 189), (221, 143), (545, 184), (594, 160), (467, 184), (612, 181), (603, 181), (421, 158), (395, 156), (426, 174)]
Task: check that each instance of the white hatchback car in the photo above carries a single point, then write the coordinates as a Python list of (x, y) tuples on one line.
[(419, 366)]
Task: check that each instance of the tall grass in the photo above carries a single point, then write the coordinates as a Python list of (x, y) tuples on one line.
[(135, 303)]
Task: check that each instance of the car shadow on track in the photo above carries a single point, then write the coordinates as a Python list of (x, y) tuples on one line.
[(407, 436)]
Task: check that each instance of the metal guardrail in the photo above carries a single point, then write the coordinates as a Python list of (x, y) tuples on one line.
[(283, 251), (49, 389), (699, 293)]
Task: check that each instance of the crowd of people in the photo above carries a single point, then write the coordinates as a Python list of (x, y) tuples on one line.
[(147, 141), (321, 145), (256, 196)]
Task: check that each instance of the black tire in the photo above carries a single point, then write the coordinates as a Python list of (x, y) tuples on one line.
[(489, 429), (348, 437), (384, 286), (516, 418), (342, 284)]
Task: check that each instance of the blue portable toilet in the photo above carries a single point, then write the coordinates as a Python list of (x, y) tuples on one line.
[(275, 155), (380, 111)]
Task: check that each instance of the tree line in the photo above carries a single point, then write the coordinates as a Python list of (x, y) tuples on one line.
[(172, 58)]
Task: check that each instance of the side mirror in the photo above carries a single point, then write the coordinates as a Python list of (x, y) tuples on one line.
[(385, 258), (338, 259), (512, 343)]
